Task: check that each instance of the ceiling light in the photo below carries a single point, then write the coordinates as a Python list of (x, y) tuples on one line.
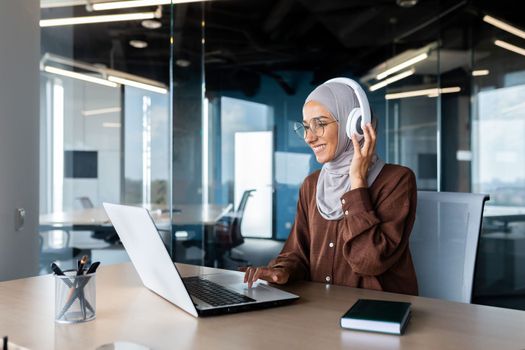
[(424, 92), (181, 62), (480, 72), (101, 111), (406, 3), (402, 65), (128, 4), (136, 3), (392, 79), (96, 19), (510, 47), (138, 44), (63, 3), (505, 26), (137, 84), (80, 76), (151, 24), (450, 90), (110, 125), (114, 77), (181, 234)]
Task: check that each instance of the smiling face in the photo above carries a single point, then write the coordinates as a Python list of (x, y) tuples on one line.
[(324, 146)]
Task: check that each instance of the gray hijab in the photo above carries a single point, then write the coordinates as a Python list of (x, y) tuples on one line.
[(334, 180)]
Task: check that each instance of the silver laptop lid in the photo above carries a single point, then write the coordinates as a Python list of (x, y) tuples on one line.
[(144, 246)]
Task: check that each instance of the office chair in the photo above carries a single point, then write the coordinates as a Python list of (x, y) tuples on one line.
[(227, 232), (444, 243), (85, 202)]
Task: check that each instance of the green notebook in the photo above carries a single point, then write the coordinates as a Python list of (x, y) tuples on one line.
[(377, 316)]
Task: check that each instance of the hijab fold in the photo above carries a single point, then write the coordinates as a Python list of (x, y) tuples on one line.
[(334, 180)]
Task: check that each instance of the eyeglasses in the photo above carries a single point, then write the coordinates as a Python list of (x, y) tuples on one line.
[(316, 127)]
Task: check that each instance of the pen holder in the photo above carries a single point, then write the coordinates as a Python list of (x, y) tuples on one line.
[(75, 297)]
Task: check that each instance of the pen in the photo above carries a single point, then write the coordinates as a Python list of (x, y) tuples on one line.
[(93, 267), (80, 264), (81, 299), (57, 270)]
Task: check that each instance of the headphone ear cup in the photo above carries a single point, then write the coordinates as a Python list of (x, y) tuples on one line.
[(353, 124)]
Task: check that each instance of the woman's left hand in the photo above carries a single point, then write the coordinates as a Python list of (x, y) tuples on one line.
[(362, 157)]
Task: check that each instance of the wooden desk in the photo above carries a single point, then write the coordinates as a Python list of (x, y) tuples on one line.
[(185, 214), (193, 217), (128, 311), (493, 214)]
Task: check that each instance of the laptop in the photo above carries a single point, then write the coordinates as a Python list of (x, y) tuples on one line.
[(203, 295)]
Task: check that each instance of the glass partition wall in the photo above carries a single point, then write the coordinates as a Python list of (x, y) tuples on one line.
[(443, 79), (193, 217), (412, 120), (210, 147), (105, 126), (497, 159)]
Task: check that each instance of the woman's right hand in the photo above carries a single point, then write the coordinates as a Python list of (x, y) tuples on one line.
[(273, 275)]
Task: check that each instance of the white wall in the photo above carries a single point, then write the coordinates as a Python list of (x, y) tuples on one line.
[(19, 133), (254, 170), (87, 133)]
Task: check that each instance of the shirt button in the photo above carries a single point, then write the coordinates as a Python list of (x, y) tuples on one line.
[(331, 244), (327, 278), (343, 201), (346, 212)]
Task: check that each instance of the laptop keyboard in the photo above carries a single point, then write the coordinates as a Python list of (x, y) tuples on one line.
[(213, 293)]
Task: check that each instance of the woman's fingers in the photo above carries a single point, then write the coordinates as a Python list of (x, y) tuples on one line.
[(370, 140), (260, 272), (362, 156), (372, 132), (248, 272), (373, 135), (252, 274), (253, 277), (263, 273), (245, 270), (366, 145), (355, 142), (280, 276)]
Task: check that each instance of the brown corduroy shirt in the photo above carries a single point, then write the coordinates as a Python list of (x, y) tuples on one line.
[(368, 247)]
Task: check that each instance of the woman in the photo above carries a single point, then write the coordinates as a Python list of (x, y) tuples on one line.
[(355, 215)]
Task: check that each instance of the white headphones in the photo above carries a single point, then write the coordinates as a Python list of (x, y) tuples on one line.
[(360, 116)]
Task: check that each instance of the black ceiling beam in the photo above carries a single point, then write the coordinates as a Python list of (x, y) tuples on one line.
[(360, 19), (277, 15)]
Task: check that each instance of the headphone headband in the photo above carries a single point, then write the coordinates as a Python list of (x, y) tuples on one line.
[(359, 92)]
